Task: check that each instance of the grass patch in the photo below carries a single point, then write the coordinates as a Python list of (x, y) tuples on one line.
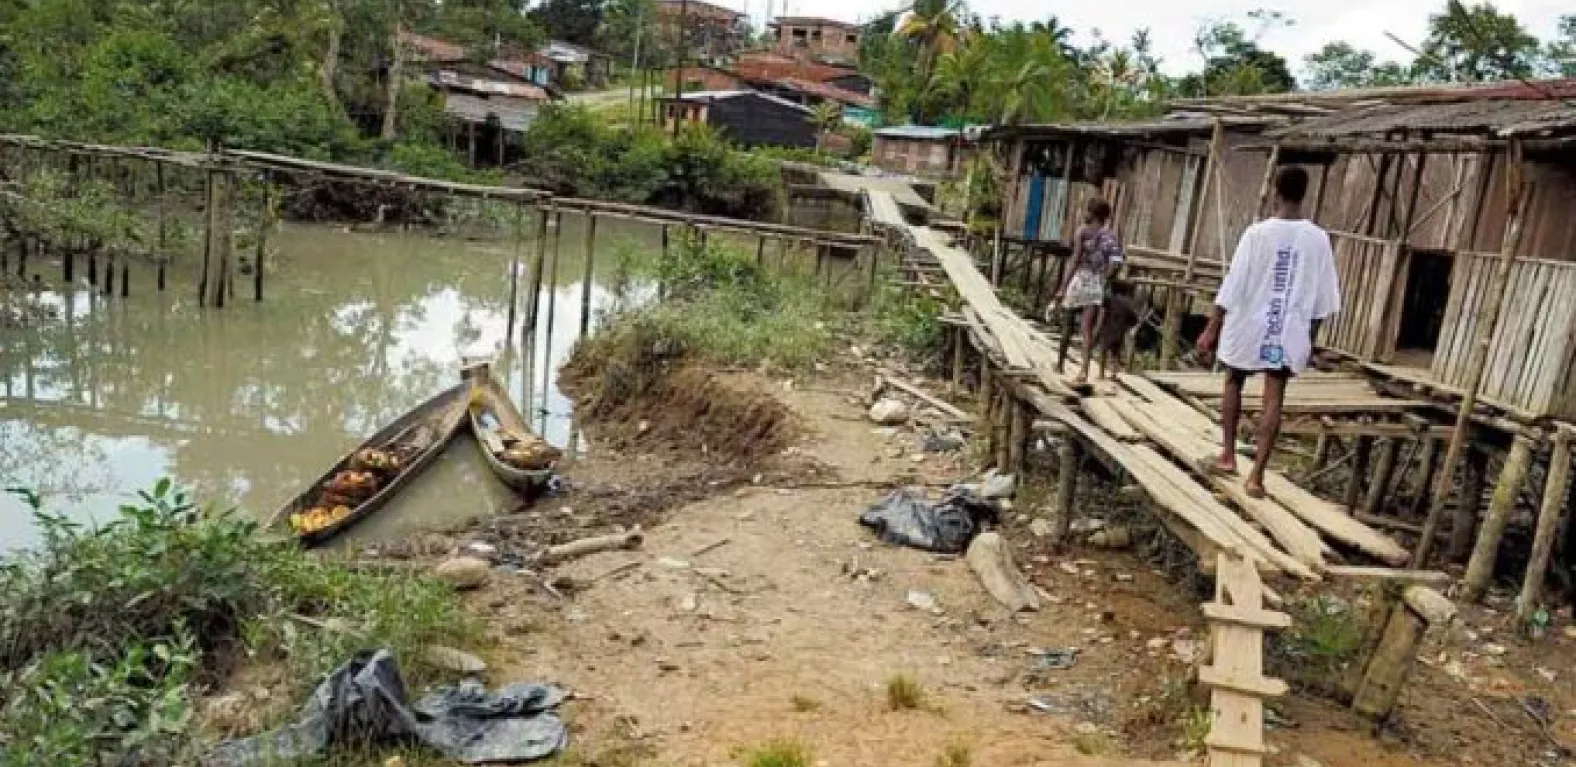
[(904, 692), (804, 704), (956, 755), (1093, 743), (1324, 639), (777, 753), (107, 632)]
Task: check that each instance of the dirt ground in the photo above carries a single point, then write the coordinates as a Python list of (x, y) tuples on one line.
[(759, 610)]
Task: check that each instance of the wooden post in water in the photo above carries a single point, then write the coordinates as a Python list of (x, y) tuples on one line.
[(109, 276), (270, 218), (1487, 321), (125, 277), (1481, 567), (585, 283), (220, 233), (92, 267), (662, 283), (536, 269), (552, 314), (514, 274), (207, 239), (68, 266), (1549, 513), (163, 230)]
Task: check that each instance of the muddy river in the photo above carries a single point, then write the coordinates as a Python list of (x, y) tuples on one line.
[(247, 404)]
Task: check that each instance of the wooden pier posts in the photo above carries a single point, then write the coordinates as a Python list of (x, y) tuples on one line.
[(1235, 674), (266, 222), (217, 240), (1464, 523), (1384, 469), (1354, 486), (1394, 641), (1067, 460), (536, 267), (514, 274), (585, 282), (1549, 513), (1481, 567)]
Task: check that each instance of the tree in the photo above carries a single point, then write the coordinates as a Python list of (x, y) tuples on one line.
[(1339, 65), (827, 116), (572, 21), (933, 26), (1234, 64), (1561, 53), (1476, 44)]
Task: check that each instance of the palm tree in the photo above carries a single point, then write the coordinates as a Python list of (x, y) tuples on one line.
[(960, 74), (827, 116), (933, 26)]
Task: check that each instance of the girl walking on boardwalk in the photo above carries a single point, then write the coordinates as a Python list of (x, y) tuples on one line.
[(1096, 255)]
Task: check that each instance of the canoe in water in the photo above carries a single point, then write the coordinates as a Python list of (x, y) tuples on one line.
[(364, 480), (521, 458)]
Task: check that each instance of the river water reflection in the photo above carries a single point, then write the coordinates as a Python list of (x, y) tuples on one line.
[(245, 405)]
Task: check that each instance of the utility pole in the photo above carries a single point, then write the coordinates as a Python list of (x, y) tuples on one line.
[(678, 80), (634, 64)]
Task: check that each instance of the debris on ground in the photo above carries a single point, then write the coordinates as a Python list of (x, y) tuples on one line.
[(907, 518), (450, 659), (1041, 527), (993, 486), (889, 412), (991, 560), (464, 573), (922, 600), (949, 441), (1055, 658), (363, 702)]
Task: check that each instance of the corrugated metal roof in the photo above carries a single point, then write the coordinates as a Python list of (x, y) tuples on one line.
[(513, 114), (927, 132), (710, 96), (827, 92), (454, 80), (1501, 118), (1177, 125)]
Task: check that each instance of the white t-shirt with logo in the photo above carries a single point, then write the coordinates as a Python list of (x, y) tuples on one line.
[(1280, 280)]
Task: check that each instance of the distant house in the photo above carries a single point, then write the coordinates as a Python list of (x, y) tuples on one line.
[(709, 32), (858, 108), (577, 66), (488, 104), (747, 117), (702, 78), (816, 38), (920, 150), (853, 81)]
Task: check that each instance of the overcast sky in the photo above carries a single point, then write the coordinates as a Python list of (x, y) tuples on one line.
[(1363, 23)]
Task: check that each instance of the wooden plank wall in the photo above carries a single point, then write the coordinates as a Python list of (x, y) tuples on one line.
[(1362, 265), (1529, 358)]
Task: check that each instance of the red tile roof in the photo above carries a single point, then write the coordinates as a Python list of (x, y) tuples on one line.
[(433, 49)]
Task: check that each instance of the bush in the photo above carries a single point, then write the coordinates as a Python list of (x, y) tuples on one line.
[(105, 631), (572, 151)]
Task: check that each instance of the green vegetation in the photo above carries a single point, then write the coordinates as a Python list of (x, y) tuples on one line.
[(805, 704), (956, 755), (107, 633), (1093, 743), (777, 753), (1324, 638), (572, 151), (904, 693)]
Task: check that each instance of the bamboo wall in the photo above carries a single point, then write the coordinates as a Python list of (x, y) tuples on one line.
[(1530, 355), (1367, 268)]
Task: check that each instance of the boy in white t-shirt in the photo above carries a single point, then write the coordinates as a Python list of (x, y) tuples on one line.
[(1281, 284)]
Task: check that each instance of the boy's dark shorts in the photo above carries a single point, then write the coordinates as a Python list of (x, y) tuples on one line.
[(1239, 376)]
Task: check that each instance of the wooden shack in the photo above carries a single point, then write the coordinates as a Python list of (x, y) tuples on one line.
[(747, 117)]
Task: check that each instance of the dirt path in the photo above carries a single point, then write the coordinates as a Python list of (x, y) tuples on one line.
[(794, 626)]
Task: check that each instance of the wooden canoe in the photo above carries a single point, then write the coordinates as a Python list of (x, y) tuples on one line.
[(417, 438), (498, 425)]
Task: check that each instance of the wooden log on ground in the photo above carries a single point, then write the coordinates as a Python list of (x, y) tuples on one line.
[(914, 391), (992, 563), (1549, 513), (1486, 552), (585, 546), (1354, 572)]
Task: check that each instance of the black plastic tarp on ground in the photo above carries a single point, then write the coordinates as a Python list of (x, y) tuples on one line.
[(363, 702)]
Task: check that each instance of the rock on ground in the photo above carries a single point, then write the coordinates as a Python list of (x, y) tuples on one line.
[(464, 573), (889, 412)]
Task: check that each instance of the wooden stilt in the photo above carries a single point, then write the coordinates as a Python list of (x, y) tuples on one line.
[(760, 247), (552, 308), (125, 277), (514, 275), (1001, 416), (662, 269), (1018, 437), (1067, 460), (533, 302), (1171, 330), (264, 228), (1321, 451), (1549, 513), (1481, 567), (1386, 670), (1464, 523), (585, 283), (960, 344), (68, 266), (223, 234), (986, 388), (1384, 469), (1425, 477), (1354, 487), (162, 232), (93, 268), (470, 135), (1487, 320), (109, 277)]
